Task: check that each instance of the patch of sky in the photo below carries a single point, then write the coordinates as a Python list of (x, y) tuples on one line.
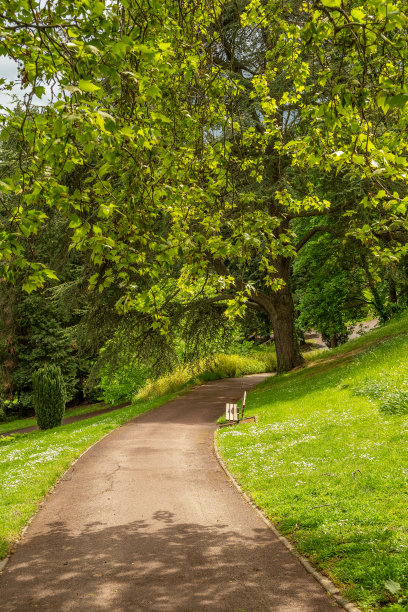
[(9, 98)]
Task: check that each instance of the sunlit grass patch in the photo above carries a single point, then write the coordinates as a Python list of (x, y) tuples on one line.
[(216, 367), (30, 421), (330, 466)]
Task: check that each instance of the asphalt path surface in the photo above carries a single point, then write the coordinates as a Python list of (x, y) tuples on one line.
[(147, 520)]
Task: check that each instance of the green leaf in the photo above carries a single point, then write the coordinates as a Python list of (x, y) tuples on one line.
[(71, 88), (93, 49), (75, 221), (98, 8), (358, 15), (382, 101), (50, 274), (332, 3), (153, 91), (164, 46), (127, 131), (39, 91), (392, 586), (29, 286), (87, 86), (399, 100), (93, 278)]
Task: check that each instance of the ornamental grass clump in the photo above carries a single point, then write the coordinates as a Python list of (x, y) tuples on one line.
[(49, 396)]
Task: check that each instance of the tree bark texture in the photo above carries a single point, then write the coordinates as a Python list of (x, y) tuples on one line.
[(392, 291), (279, 307)]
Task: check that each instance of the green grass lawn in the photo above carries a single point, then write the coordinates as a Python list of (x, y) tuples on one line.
[(328, 463), (28, 422), (30, 464)]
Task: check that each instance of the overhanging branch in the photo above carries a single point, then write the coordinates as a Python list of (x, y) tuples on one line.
[(312, 232)]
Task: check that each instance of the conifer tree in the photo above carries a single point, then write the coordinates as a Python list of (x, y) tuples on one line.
[(49, 396)]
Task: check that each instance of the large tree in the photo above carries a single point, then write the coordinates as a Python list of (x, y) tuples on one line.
[(198, 133)]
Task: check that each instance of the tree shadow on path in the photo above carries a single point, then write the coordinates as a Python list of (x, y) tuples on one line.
[(156, 565)]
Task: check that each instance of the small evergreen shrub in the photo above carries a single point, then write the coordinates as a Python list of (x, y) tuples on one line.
[(49, 396)]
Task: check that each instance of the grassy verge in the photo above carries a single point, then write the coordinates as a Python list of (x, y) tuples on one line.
[(328, 462), (218, 366), (30, 421), (397, 326), (31, 464)]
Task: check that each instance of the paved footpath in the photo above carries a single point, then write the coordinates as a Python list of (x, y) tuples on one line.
[(146, 520)]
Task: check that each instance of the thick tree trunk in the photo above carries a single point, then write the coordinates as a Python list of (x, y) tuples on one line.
[(392, 291), (280, 309), (286, 343), (377, 301)]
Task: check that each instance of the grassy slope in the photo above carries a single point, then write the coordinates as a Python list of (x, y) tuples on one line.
[(31, 464), (331, 469)]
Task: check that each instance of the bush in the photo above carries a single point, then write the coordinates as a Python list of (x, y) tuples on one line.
[(2, 411), (122, 385), (49, 396), (169, 383), (8, 408), (229, 366)]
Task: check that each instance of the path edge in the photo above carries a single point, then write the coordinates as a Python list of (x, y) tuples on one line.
[(3, 562), (323, 580)]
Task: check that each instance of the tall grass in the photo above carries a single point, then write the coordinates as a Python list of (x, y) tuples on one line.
[(218, 366)]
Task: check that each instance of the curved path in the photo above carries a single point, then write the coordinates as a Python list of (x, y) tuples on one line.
[(146, 520)]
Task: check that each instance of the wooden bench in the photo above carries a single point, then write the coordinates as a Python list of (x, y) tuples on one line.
[(232, 414)]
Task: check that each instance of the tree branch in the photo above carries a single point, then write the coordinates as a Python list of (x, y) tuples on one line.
[(312, 232), (222, 270)]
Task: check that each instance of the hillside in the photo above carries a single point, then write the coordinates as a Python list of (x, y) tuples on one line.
[(327, 461)]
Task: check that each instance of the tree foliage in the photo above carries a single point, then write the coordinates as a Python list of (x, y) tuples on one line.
[(184, 141)]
